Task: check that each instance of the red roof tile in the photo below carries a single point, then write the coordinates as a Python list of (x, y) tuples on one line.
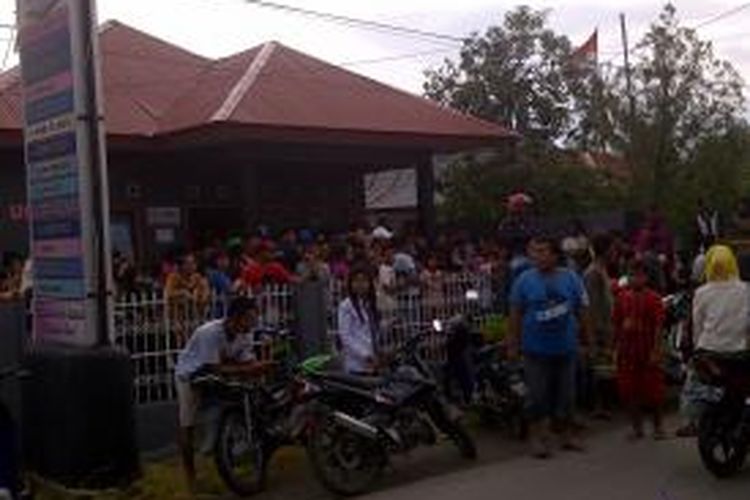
[(152, 87)]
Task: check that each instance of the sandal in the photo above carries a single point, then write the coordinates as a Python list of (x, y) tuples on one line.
[(573, 445), (635, 435), (660, 435), (540, 450)]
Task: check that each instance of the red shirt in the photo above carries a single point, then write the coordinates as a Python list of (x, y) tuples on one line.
[(256, 274), (638, 319)]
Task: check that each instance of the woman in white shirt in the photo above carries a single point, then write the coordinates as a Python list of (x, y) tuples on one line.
[(358, 323), (721, 323), (721, 307)]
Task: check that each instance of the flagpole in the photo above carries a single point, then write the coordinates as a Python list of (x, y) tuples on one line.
[(598, 95), (628, 79)]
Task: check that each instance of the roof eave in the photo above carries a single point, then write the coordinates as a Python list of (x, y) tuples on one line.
[(231, 132)]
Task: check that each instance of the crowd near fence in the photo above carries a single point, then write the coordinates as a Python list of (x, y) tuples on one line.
[(154, 329)]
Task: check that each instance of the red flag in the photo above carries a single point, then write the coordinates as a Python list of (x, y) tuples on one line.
[(587, 53)]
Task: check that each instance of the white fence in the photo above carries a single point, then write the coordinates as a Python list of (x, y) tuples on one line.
[(414, 306), (154, 330)]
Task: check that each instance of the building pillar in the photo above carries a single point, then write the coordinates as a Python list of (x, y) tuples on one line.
[(357, 197), (250, 195), (426, 197)]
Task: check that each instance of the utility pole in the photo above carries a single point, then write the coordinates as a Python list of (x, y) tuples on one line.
[(628, 79)]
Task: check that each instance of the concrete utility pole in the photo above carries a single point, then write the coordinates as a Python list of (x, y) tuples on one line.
[(628, 79)]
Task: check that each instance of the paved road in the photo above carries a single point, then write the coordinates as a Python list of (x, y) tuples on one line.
[(613, 469)]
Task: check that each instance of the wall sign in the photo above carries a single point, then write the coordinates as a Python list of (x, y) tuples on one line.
[(163, 216), (15, 212)]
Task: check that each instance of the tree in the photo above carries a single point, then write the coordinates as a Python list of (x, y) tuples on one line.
[(519, 75), (511, 75), (686, 139), (686, 100), (559, 181)]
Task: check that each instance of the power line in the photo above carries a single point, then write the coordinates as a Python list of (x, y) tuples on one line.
[(722, 15), (398, 57), (356, 22), (711, 20)]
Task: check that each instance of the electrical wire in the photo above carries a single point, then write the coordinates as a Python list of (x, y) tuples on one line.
[(356, 22), (398, 57), (722, 15), (711, 20)]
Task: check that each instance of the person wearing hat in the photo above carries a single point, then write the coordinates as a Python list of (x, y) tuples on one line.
[(223, 346)]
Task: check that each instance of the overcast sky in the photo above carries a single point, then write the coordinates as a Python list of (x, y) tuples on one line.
[(221, 27)]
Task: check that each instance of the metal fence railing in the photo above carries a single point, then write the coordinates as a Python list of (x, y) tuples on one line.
[(154, 329), (415, 304)]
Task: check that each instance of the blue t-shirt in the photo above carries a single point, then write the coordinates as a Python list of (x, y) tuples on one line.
[(220, 282), (548, 304)]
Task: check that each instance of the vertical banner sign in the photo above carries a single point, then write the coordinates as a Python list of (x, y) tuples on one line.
[(65, 169)]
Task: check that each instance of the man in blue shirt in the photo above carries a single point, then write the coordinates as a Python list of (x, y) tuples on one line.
[(547, 324)]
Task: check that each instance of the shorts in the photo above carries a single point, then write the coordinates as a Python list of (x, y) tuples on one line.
[(188, 401), (551, 383)]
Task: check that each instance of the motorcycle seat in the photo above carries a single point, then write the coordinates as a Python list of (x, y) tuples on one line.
[(361, 381)]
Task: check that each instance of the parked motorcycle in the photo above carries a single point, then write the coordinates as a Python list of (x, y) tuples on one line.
[(497, 390), (501, 391), (724, 427), (360, 421), (257, 418)]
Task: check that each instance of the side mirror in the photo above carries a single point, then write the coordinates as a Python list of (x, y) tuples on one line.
[(437, 325), (472, 295)]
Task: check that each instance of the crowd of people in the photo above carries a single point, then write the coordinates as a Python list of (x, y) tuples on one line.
[(588, 315), (245, 265)]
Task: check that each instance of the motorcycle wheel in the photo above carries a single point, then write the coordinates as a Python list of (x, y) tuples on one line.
[(344, 462), (239, 457), (720, 452), (455, 431), (507, 411)]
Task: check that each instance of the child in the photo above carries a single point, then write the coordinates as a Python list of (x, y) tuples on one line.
[(432, 287), (638, 318)]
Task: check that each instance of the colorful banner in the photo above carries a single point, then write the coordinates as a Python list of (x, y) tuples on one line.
[(55, 60)]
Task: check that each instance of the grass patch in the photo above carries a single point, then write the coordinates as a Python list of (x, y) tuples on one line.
[(160, 480), (164, 480)]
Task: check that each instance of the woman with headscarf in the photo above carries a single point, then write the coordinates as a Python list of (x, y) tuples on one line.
[(720, 324), (721, 307)]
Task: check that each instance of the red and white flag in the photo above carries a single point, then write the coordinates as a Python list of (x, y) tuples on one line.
[(588, 53)]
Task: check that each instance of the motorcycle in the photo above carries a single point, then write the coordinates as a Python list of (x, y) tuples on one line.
[(257, 417), (501, 391), (724, 426), (360, 421), (498, 387)]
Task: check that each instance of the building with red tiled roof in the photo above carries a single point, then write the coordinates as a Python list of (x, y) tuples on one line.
[(269, 134)]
